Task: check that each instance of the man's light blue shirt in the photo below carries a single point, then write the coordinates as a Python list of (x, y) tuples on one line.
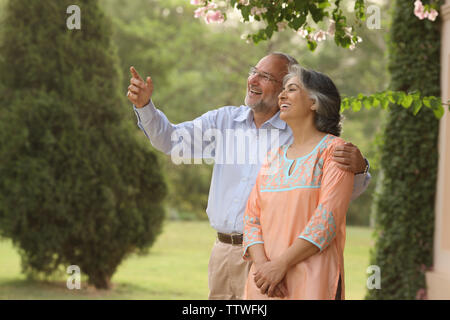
[(231, 182)]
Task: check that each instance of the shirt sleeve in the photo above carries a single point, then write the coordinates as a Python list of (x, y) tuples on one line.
[(184, 139), (361, 183), (334, 198), (252, 224)]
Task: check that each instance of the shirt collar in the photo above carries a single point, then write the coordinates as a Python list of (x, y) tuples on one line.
[(244, 115), (275, 121)]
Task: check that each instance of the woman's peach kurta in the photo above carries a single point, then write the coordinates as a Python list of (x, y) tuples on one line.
[(310, 203)]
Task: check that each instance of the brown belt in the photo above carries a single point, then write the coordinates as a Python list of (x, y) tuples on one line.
[(234, 238)]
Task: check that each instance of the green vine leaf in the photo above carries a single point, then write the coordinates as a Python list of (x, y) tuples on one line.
[(383, 99), (407, 101)]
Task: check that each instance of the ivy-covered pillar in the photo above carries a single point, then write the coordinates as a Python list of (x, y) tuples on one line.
[(438, 279), (404, 206)]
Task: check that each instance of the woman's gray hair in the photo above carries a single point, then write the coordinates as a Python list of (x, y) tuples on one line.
[(328, 100)]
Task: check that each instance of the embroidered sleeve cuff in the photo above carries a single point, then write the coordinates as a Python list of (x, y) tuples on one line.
[(312, 241), (245, 255), (321, 229)]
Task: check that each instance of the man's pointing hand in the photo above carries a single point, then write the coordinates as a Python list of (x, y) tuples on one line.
[(139, 91)]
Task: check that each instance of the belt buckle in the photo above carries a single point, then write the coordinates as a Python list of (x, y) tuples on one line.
[(232, 238)]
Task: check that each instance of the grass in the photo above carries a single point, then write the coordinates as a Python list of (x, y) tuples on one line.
[(176, 268)]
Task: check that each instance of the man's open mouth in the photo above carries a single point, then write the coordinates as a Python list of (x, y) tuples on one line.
[(256, 92)]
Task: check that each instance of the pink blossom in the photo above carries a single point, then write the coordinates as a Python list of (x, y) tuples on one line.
[(432, 15), (354, 42), (197, 2), (419, 10), (320, 36), (281, 25), (214, 16), (199, 12), (302, 32), (418, 5), (257, 11), (211, 5), (331, 28)]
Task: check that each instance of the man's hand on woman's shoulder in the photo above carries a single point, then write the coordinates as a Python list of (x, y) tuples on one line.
[(349, 158)]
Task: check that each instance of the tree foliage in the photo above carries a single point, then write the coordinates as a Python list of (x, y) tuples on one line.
[(305, 15), (77, 188), (384, 99), (301, 15)]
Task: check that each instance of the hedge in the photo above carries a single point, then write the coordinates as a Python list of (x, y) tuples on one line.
[(404, 205)]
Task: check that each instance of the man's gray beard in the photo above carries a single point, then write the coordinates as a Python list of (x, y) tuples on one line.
[(260, 106)]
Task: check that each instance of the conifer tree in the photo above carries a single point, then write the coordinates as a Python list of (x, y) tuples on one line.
[(77, 187)]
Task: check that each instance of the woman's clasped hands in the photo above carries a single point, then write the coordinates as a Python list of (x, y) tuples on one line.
[(269, 277)]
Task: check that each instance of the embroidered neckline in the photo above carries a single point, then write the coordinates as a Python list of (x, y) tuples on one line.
[(318, 145), (297, 160)]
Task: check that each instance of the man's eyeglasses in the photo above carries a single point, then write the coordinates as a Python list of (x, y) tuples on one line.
[(262, 75)]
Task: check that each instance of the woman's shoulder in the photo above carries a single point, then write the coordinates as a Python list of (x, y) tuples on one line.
[(329, 143), (274, 155)]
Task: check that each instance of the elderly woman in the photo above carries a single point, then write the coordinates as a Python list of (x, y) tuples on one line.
[(295, 216)]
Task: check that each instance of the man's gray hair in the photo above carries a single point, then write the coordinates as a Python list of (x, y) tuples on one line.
[(290, 59), (328, 100)]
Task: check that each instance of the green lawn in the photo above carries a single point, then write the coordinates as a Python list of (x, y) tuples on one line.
[(176, 268)]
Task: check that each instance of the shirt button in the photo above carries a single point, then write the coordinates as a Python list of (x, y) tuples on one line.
[(235, 200)]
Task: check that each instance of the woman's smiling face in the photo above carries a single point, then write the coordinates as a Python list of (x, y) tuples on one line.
[(294, 101)]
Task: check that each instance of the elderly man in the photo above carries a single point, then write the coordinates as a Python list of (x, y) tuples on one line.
[(232, 183)]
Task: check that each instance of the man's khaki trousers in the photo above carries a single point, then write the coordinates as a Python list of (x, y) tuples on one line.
[(227, 272)]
